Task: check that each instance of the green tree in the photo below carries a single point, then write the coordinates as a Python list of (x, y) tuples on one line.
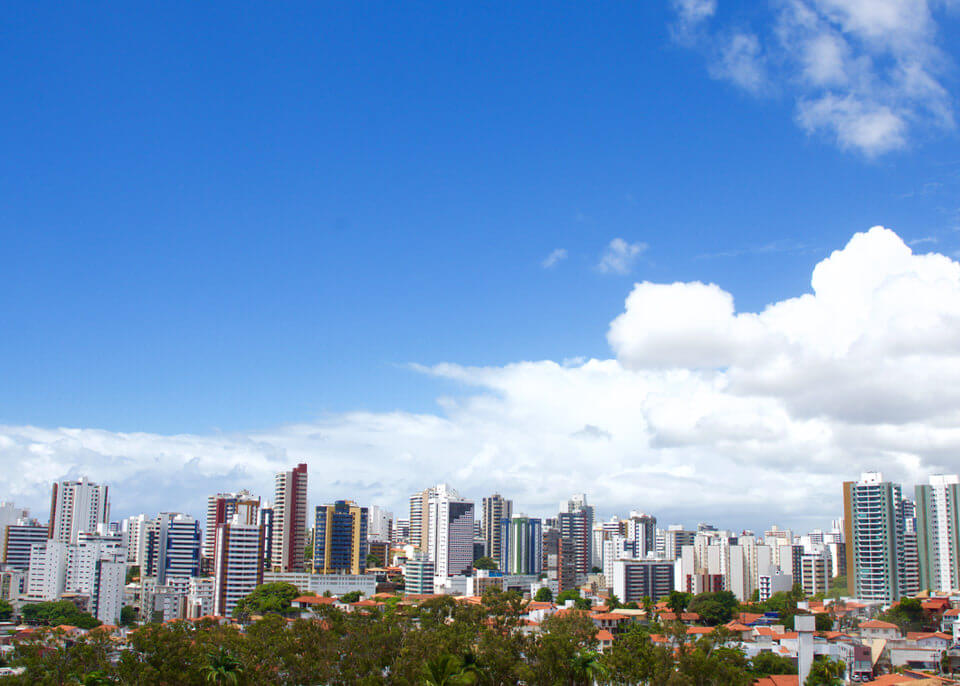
[(767, 663), (715, 608), (57, 613), (824, 622), (543, 595), (222, 667), (614, 602), (907, 615), (351, 597), (128, 615), (484, 562), (272, 598), (373, 561), (446, 670), (678, 601), (586, 668), (6, 610), (826, 672), (133, 572)]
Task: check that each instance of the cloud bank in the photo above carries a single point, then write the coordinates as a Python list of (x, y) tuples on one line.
[(703, 413), (866, 74)]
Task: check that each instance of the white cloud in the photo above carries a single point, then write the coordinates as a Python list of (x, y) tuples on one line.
[(864, 73), (556, 256), (705, 413), (691, 15), (619, 256), (741, 61)]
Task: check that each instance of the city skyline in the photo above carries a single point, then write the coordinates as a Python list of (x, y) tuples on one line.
[(617, 250)]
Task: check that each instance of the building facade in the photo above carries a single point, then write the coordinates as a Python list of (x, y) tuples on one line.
[(938, 532), (290, 520), (874, 528), (496, 509), (340, 538), (521, 540), (77, 507)]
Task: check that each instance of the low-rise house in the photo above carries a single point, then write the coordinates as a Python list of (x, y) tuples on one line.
[(875, 628)]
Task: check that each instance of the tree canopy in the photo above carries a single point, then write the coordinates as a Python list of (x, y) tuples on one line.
[(267, 598), (484, 562), (715, 608), (57, 613)]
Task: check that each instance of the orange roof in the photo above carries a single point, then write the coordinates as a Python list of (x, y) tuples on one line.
[(786, 635), (749, 617), (607, 616), (877, 624), (314, 600), (604, 635), (736, 626), (699, 630), (778, 680), (539, 605), (952, 612)]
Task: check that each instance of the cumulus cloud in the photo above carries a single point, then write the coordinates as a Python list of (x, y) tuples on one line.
[(703, 413), (866, 74), (619, 256), (555, 257)]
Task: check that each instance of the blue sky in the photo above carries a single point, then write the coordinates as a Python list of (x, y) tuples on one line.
[(235, 216)]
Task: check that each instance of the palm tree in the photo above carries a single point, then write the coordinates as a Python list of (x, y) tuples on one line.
[(222, 667), (585, 668), (447, 670)]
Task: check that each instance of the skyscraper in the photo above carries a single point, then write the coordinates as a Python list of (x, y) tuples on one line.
[(521, 539), (576, 526), (642, 528), (873, 520), (450, 534), (496, 508), (938, 532), (77, 507), (420, 518), (221, 508), (238, 566), (290, 520), (340, 538), (173, 548)]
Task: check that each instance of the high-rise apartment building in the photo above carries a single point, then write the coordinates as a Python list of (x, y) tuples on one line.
[(559, 561), (635, 579), (220, 510), (521, 540), (173, 548), (576, 525), (266, 525), (910, 569), (938, 533), (873, 519), (420, 518), (290, 520), (77, 507), (380, 524), (238, 566), (94, 567), (17, 540), (340, 538), (674, 538), (642, 528), (450, 535), (815, 573), (496, 508), (418, 574)]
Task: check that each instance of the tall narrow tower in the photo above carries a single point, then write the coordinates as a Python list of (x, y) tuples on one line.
[(77, 507), (290, 520), (496, 508)]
